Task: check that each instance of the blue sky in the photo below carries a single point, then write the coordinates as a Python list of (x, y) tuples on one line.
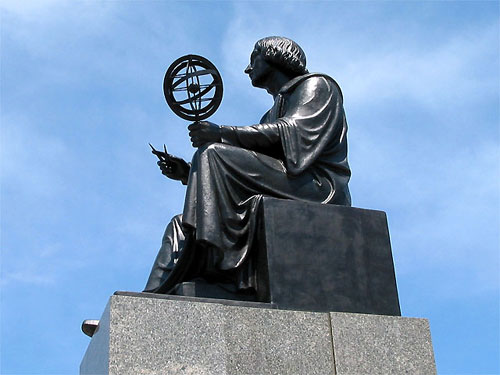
[(84, 206)]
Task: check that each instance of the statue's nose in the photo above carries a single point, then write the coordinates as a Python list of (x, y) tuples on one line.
[(248, 69)]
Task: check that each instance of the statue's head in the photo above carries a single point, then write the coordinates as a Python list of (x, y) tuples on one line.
[(275, 57), (283, 53)]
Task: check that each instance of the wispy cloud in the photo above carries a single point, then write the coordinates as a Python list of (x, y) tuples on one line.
[(30, 276), (32, 162), (450, 70), (28, 8), (46, 264), (453, 221)]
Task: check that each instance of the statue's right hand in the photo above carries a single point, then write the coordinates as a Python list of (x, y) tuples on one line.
[(174, 167)]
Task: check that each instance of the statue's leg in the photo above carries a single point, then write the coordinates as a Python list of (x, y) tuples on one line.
[(223, 193), (172, 245), (225, 187)]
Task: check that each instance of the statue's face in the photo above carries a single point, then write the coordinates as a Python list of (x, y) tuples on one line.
[(258, 70)]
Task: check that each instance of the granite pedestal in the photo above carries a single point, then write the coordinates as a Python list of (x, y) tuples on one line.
[(140, 333)]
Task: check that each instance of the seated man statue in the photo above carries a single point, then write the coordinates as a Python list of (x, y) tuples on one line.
[(297, 151)]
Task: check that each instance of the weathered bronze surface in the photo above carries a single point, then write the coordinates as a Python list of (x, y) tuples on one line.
[(298, 151)]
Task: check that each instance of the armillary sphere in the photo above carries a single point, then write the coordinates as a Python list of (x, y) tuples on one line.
[(193, 87)]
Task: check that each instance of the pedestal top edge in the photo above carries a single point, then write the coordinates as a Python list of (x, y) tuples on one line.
[(226, 302), (260, 305)]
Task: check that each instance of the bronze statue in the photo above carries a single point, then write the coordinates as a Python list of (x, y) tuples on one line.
[(297, 151)]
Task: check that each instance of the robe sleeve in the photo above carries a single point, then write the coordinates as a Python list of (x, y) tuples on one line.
[(255, 137)]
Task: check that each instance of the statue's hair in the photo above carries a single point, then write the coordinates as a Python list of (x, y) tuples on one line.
[(284, 53)]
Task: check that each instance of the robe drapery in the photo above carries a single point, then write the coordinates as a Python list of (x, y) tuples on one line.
[(298, 151)]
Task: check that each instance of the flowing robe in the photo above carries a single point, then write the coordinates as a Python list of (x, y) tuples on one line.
[(298, 151)]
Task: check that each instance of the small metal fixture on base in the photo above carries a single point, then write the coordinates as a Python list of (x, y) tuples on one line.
[(90, 326)]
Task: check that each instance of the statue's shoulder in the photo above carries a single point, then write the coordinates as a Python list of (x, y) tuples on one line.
[(310, 78)]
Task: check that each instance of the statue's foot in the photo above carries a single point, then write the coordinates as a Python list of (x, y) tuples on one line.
[(177, 274), (90, 326)]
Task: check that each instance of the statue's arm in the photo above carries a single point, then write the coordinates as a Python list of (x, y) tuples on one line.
[(256, 137), (252, 137)]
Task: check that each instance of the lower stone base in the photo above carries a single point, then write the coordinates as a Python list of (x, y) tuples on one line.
[(144, 334)]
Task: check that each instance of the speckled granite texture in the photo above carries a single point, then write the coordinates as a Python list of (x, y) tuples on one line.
[(376, 344), (143, 335)]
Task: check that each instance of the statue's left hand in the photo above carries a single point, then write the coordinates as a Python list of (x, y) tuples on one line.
[(202, 132)]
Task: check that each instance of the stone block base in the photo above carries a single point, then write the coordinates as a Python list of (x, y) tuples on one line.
[(140, 333), (323, 257)]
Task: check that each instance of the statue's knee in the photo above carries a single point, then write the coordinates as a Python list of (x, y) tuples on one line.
[(209, 148)]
